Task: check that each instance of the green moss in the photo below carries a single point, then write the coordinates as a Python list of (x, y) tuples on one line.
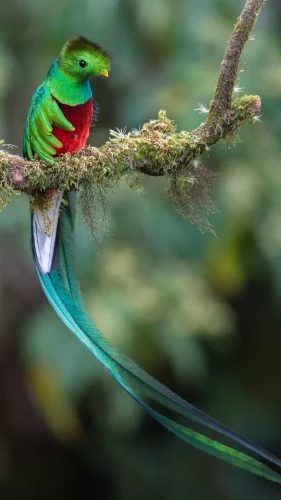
[(245, 105), (6, 188), (237, 27), (156, 149)]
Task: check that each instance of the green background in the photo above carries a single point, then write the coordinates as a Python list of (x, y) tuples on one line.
[(200, 313)]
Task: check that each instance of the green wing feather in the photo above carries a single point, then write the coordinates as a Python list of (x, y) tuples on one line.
[(62, 289), (43, 114)]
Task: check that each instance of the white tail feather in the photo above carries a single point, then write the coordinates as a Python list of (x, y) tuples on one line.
[(44, 245)]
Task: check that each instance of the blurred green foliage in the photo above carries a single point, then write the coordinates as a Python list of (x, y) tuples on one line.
[(200, 313)]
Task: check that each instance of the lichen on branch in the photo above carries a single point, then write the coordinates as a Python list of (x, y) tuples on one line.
[(157, 149)]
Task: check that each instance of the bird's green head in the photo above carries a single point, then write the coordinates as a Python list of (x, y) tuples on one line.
[(80, 58)]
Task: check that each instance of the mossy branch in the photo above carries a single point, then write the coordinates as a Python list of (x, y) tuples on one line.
[(157, 148)]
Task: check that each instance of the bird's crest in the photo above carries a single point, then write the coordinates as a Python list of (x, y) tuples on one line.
[(80, 43)]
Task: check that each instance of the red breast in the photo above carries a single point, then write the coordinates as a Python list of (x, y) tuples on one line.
[(81, 117)]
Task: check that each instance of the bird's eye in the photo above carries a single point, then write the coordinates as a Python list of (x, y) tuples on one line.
[(82, 63)]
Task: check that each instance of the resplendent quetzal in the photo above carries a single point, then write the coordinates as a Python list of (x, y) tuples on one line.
[(59, 120)]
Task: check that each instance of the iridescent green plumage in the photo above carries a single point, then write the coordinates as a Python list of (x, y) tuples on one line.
[(62, 289), (43, 114)]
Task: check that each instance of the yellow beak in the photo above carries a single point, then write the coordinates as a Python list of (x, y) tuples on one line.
[(105, 73)]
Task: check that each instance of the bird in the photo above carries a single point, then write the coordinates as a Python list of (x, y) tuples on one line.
[(59, 119)]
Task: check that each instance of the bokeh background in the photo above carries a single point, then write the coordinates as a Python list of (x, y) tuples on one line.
[(201, 313)]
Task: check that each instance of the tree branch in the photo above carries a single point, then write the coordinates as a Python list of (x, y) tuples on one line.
[(230, 63), (156, 149)]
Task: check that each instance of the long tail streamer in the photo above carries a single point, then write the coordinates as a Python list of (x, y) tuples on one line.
[(62, 290)]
